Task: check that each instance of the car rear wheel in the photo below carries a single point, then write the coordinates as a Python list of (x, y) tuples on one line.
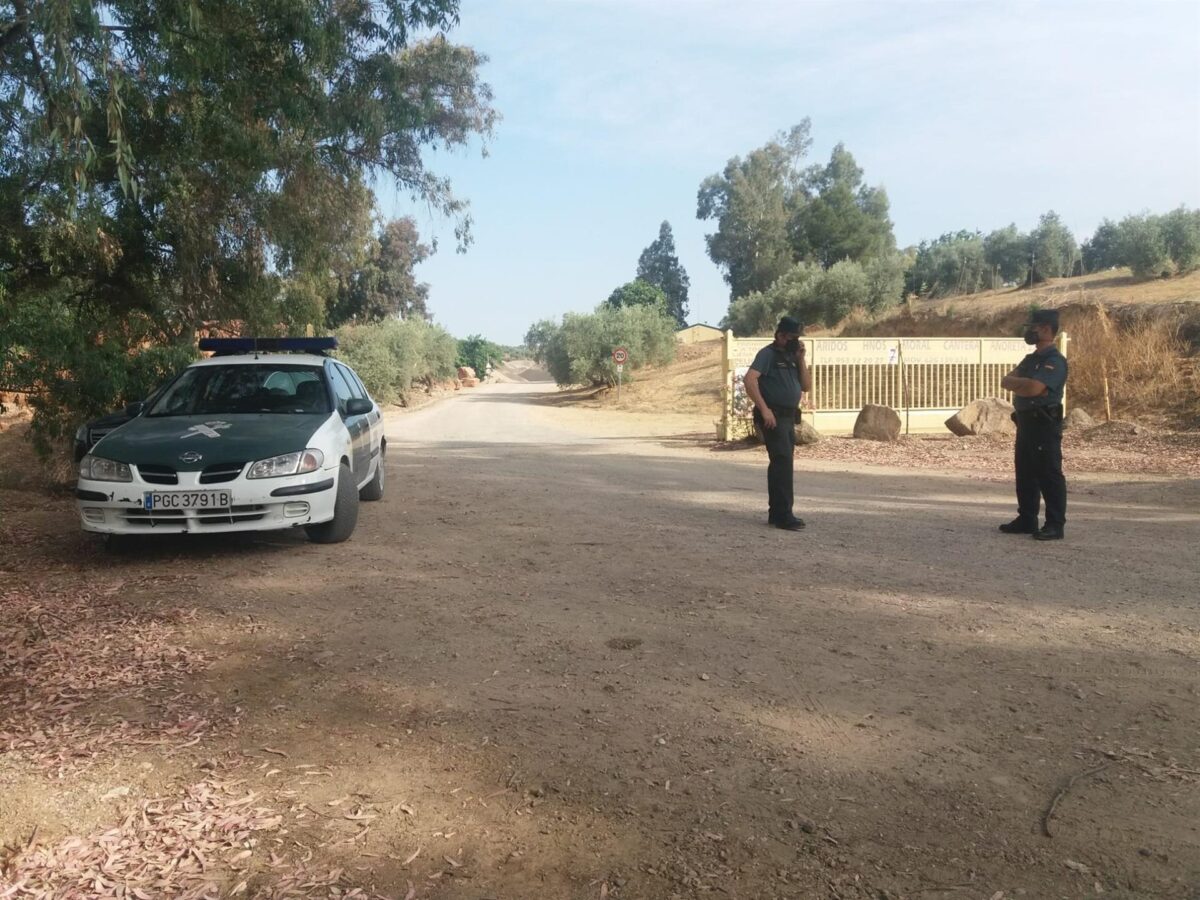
[(345, 513), (374, 488)]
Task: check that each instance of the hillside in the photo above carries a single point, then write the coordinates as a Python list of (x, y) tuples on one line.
[(691, 385), (1113, 288)]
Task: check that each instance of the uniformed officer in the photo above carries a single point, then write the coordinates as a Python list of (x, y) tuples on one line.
[(775, 381), (1037, 386)]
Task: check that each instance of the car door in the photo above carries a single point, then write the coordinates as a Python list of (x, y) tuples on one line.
[(374, 418), (359, 428)]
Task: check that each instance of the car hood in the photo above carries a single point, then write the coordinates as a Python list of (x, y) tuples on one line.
[(237, 438)]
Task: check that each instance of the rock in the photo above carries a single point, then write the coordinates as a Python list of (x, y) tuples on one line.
[(1078, 418), (1116, 430), (465, 372), (877, 423), (991, 415), (806, 433), (470, 382)]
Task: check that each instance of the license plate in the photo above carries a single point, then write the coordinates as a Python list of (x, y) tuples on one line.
[(187, 499)]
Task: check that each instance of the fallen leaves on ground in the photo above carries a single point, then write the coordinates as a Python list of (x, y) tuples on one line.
[(201, 846)]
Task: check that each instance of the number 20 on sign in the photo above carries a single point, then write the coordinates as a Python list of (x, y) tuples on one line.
[(620, 355)]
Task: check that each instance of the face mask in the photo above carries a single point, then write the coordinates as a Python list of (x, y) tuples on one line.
[(793, 345), (1031, 336)]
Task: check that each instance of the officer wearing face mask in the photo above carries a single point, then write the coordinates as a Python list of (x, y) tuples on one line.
[(1037, 386), (775, 381)]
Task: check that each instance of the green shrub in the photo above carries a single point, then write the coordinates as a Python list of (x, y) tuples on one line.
[(1143, 247), (579, 351), (393, 355), (477, 352), (78, 368), (1181, 235)]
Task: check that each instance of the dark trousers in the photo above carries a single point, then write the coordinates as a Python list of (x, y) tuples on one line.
[(780, 441), (1039, 466)]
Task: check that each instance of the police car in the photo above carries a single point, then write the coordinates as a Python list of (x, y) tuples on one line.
[(265, 434)]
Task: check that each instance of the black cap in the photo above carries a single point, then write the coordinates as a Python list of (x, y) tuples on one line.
[(1044, 317), (788, 325)]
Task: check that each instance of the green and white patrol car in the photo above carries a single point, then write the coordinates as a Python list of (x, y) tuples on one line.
[(253, 438)]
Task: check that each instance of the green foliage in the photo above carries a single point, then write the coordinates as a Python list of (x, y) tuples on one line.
[(177, 164), (773, 216), (659, 266), (844, 219), (841, 288), (885, 280), (794, 293), (1151, 245), (953, 264), (753, 202), (637, 293), (78, 370), (392, 356), (579, 351), (1006, 252), (1181, 234), (1053, 247), (384, 284), (1103, 249), (476, 351), (1142, 246), (820, 296)]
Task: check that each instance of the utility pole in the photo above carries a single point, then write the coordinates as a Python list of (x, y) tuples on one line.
[(1032, 264)]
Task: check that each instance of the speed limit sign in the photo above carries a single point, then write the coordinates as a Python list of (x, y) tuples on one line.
[(620, 356)]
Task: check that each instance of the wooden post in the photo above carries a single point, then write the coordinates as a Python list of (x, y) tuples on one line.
[(1107, 398), (727, 390)]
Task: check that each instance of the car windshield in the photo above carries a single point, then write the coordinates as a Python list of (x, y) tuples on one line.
[(247, 388)]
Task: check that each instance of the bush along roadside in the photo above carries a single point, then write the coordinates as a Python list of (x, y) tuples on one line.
[(393, 356), (579, 350)]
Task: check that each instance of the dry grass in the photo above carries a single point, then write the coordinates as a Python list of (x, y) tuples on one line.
[(1134, 368), (691, 384)]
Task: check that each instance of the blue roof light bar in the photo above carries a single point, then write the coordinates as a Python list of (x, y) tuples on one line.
[(229, 346)]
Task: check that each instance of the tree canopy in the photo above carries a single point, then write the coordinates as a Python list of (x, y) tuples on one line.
[(385, 284), (659, 266), (166, 163), (637, 293), (771, 213)]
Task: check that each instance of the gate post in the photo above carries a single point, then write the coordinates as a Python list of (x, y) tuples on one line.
[(727, 386)]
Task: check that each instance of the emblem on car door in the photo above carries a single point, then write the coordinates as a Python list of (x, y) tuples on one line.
[(191, 457)]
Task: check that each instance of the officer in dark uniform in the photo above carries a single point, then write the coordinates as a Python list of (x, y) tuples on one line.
[(775, 381), (1037, 386)]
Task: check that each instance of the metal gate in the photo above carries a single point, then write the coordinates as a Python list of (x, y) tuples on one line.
[(926, 380)]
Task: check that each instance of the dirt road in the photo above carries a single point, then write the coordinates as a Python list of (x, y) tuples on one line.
[(565, 658)]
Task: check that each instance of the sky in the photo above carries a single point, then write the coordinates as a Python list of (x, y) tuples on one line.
[(970, 114)]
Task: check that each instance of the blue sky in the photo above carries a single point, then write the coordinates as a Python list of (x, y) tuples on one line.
[(970, 114)]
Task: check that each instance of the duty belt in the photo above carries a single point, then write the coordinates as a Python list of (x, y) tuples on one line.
[(1046, 413)]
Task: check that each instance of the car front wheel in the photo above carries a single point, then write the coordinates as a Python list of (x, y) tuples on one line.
[(345, 513)]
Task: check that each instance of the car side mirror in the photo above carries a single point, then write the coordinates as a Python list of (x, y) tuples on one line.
[(358, 406), (133, 410)]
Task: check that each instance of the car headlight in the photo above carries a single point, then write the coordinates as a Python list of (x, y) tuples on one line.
[(97, 468), (297, 463)]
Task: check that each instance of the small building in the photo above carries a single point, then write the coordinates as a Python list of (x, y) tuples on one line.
[(698, 334)]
